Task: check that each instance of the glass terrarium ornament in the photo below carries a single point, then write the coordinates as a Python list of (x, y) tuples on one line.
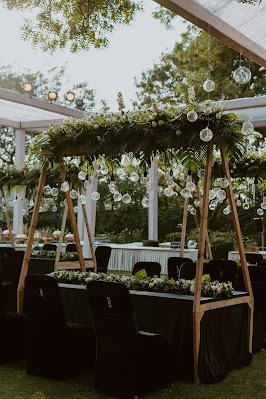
[(75, 209), (206, 134), (242, 75), (73, 194), (4, 208), (263, 205), (95, 196), (82, 199), (260, 212), (82, 175), (226, 211), (224, 182), (221, 195), (212, 195), (245, 206), (134, 177), (168, 191), (192, 116), (186, 193), (47, 190), (212, 206), (65, 186), (193, 211), (247, 128), (86, 184), (209, 85), (117, 197), (54, 208), (15, 201), (145, 202), (191, 186), (24, 211), (54, 191), (104, 170), (112, 188), (126, 198)]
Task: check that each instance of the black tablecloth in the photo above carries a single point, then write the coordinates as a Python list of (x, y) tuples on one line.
[(41, 265), (223, 331)]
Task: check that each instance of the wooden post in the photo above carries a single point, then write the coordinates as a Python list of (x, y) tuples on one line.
[(9, 226), (184, 227), (26, 260), (72, 218), (208, 244), (89, 233), (197, 313), (63, 225), (240, 246)]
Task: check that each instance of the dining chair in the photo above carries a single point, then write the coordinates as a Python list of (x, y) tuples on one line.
[(102, 254), (253, 257), (151, 268), (71, 248), (57, 349), (173, 265), (49, 247), (222, 270), (128, 361)]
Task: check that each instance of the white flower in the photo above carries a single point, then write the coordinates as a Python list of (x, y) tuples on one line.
[(160, 122), (219, 108), (178, 132), (154, 124), (218, 116), (96, 126), (153, 115), (109, 278), (88, 279), (207, 111), (151, 285), (207, 102)]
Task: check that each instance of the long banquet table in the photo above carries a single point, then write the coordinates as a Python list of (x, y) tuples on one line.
[(223, 331)]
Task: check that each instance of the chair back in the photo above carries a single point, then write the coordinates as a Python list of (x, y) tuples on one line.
[(11, 266), (102, 254), (42, 300), (188, 270), (112, 311), (222, 270), (173, 265), (71, 248), (49, 247), (152, 268), (262, 263), (253, 257), (5, 251)]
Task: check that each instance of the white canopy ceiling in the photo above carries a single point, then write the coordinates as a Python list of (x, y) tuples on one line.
[(240, 26), (21, 111)]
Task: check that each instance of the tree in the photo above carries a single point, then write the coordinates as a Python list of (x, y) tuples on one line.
[(188, 65), (78, 24)]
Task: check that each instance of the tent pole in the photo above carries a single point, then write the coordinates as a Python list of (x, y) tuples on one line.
[(72, 218), (26, 260), (197, 313), (240, 246)]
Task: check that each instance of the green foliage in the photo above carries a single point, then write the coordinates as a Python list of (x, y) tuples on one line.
[(174, 236), (77, 24), (221, 243), (141, 274), (168, 80), (206, 277)]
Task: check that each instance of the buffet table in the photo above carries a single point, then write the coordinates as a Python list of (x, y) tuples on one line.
[(223, 331), (124, 257), (234, 255)]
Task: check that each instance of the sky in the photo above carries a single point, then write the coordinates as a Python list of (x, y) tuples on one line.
[(132, 49)]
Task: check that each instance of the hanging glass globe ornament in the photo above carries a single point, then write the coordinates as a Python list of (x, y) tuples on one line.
[(117, 197), (54, 191), (212, 195), (73, 194), (208, 85), (75, 209), (47, 190), (145, 202), (23, 212), (54, 208), (82, 175), (226, 211), (65, 186), (221, 195), (15, 201), (86, 184), (242, 75), (193, 211), (104, 170), (95, 196), (206, 134), (134, 177), (260, 212), (201, 173), (248, 200), (4, 208), (212, 206), (126, 198), (245, 206), (82, 199), (224, 182), (191, 186), (40, 209), (192, 116), (168, 191), (263, 205), (247, 128), (238, 202), (186, 193)]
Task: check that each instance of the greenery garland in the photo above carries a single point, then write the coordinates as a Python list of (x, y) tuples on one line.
[(142, 134), (141, 282), (41, 253)]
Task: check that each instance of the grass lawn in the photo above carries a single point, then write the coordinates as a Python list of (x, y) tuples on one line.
[(247, 383)]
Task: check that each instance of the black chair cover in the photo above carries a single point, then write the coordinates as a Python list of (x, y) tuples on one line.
[(173, 266), (102, 254), (53, 348), (71, 248), (49, 247), (253, 257), (222, 270), (262, 263), (128, 362), (152, 268)]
